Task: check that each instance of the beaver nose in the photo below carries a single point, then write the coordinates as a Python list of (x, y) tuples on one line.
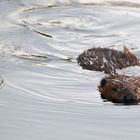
[(129, 97)]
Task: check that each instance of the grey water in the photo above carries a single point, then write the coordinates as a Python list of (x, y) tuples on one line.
[(44, 93)]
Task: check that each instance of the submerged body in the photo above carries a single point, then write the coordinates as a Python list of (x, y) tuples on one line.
[(120, 89), (107, 60)]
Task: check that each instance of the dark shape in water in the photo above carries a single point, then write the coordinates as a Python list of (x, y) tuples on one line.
[(107, 60), (1, 82), (120, 89), (115, 88), (41, 33)]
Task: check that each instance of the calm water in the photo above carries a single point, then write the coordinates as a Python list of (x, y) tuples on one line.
[(44, 93)]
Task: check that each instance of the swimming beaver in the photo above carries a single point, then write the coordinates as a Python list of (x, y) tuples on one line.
[(107, 60), (116, 88), (120, 89)]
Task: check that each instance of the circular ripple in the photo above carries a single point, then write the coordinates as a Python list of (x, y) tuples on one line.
[(91, 26), (64, 32)]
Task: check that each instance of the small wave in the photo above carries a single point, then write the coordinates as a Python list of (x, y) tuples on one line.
[(130, 71), (1, 82)]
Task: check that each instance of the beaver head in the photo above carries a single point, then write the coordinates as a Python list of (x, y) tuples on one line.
[(120, 89)]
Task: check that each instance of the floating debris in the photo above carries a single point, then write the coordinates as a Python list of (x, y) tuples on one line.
[(44, 34)]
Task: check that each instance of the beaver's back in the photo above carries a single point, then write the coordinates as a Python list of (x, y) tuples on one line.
[(107, 60)]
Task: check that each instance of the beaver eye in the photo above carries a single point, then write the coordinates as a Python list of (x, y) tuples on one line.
[(103, 82)]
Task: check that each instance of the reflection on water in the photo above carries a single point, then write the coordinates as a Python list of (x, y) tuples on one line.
[(44, 93)]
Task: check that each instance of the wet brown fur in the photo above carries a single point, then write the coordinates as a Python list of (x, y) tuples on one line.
[(107, 60), (115, 88)]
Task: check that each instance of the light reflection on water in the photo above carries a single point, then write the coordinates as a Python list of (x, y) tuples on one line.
[(46, 94)]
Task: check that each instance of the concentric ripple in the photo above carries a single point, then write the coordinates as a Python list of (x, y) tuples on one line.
[(51, 37)]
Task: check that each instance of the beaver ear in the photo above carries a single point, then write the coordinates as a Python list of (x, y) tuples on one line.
[(129, 55), (126, 51), (103, 82)]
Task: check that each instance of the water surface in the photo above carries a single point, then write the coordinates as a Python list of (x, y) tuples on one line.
[(44, 93)]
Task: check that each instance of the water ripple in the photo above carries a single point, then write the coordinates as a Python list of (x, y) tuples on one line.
[(44, 93)]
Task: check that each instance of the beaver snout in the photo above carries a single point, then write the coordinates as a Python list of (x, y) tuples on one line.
[(129, 97)]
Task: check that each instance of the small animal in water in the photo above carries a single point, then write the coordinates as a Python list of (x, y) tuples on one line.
[(115, 88), (107, 60), (120, 89)]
